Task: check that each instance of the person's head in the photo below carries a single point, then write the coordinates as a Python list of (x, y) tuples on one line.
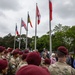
[(62, 52), (53, 55), (24, 56), (2, 50), (15, 53), (3, 66), (34, 58), (32, 70)]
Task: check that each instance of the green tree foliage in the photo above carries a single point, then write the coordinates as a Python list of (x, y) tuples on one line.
[(61, 35)]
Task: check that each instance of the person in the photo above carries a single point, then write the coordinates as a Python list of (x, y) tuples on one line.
[(53, 59), (70, 60), (3, 66), (33, 58), (32, 70), (61, 67), (2, 49), (23, 61), (13, 62), (46, 63)]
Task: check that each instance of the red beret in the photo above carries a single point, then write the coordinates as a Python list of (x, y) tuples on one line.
[(2, 48), (34, 58), (24, 56), (63, 50), (9, 49), (6, 51), (32, 70), (47, 61), (15, 52), (3, 64), (26, 51), (20, 52)]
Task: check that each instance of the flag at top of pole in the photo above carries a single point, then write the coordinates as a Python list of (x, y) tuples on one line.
[(23, 25), (16, 30), (29, 21), (38, 14), (50, 9)]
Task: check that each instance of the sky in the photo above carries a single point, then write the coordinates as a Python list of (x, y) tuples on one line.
[(11, 12)]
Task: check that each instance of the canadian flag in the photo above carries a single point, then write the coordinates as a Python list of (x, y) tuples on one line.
[(38, 14)]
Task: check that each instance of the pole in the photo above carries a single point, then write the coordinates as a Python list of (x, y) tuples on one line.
[(50, 32), (15, 36), (20, 35), (27, 32), (35, 27)]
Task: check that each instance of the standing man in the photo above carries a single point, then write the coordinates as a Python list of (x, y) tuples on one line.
[(61, 67)]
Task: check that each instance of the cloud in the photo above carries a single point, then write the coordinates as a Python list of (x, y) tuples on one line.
[(65, 9), (9, 5)]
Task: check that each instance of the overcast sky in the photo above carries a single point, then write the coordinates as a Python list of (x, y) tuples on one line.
[(11, 12)]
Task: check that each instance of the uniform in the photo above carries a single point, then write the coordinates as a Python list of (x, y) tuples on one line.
[(61, 69), (12, 66), (22, 63)]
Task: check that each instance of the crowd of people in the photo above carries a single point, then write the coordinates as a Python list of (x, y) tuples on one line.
[(18, 62)]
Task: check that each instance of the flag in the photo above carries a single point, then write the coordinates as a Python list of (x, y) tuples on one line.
[(29, 21), (16, 30), (38, 14), (23, 25), (50, 9)]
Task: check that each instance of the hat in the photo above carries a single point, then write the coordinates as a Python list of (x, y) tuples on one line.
[(20, 52), (26, 51), (24, 56), (2, 48), (6, 51), (34, 58), (47, 61), (16, 51), (32, 70), (63, 50), (9, 49), (3, 64)]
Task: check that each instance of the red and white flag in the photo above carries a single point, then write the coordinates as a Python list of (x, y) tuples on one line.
[(38, 14), (23, 25), (16, 31), (50, 9)]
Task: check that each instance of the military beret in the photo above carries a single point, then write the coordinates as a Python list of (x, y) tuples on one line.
[(33, 58), (47, 61), (63, 50), (24, 56), (2, 48), (16, 51), (32, 70), (5, 51), (9, 49), (26, 51), (3, 64), (20, 52)]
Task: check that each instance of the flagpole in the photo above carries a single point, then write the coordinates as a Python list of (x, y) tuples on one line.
[(50, 32), (35, 28), (27, 31), (15, 36), (20, 35)]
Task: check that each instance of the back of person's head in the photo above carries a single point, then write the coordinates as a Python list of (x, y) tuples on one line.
[(3, 64), (32, 70), (33, 58), (62, 51)]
